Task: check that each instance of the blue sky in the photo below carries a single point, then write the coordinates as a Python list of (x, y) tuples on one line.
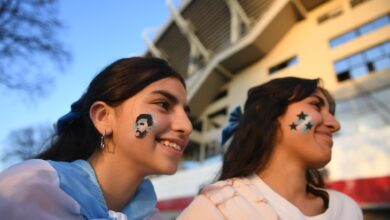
[(97, 33)]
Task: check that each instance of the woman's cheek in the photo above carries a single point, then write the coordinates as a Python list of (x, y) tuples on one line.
[(303, 122), (143, 125)]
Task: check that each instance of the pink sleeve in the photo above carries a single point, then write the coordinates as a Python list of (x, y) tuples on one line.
[(201, 208)]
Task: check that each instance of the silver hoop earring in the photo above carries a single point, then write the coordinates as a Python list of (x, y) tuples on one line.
[(102, 140)]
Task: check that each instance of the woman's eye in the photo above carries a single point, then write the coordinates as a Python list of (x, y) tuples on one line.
[(163, 104), (317, 105)]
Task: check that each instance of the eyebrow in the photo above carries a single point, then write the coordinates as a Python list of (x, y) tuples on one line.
[(172, 99), (320, 99)]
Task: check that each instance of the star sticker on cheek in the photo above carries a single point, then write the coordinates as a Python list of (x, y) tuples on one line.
[(302, 116), (293, 126), (309, 125)]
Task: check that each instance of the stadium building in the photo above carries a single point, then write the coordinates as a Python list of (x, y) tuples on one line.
[(224, 47)]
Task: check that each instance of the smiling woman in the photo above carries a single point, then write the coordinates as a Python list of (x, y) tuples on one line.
[(131, 122), (269, 170)]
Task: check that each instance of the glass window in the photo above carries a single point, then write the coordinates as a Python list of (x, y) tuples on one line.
[(335, 42), (367, 28), (293, 61), (341, 65), (359, 31), (383, 21), (356, 59), (368, 61), (386, 46), (358, 71), (290, 62), (343, 38), (373, 53), (343, 76), (349, 36), (382, 63)]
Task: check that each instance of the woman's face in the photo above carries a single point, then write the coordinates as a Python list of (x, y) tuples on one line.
[(306, 131), (159, 149)]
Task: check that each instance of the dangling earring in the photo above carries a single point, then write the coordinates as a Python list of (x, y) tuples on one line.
[(102, 140)]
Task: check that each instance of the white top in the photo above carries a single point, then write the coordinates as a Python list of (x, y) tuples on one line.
[(250, 198), (340, 205)]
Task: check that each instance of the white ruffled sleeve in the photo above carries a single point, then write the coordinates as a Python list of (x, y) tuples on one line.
[(30, 190)]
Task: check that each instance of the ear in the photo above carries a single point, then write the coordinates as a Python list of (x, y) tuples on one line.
[(101, 114)]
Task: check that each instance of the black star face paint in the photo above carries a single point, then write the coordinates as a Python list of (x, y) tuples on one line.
[(308, 125), (302, 123), (302, 116), (143, 124), (293, 126)]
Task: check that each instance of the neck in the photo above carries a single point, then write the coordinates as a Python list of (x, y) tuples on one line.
[(276, 174), (116, 182), (288, 178)]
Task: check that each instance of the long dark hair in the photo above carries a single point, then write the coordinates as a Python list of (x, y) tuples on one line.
[(254, 139), (76, 136)]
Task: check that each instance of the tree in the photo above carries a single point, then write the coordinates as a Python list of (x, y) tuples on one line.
[(26, 142), (28, 38)]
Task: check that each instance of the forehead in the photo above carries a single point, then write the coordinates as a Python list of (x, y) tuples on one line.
[(318, 94), (170, 85), (170, 88)]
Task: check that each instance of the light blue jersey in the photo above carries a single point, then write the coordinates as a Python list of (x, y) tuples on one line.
[(38, 189)]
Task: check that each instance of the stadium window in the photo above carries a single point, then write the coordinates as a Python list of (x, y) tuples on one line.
[(354, 3), (290, 62), (220, 95), (368, 61), (329, 15), (197, 125), (213, 148), (192, 151), (217, 119), (360, 31)]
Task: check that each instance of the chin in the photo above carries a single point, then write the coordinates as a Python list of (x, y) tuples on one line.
[(171, 172), (169, 169), (320, 164)]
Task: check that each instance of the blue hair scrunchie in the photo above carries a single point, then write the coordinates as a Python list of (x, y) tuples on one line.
[(66, 119), (233, 121)]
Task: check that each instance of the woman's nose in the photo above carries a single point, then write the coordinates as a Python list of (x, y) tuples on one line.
[(182, 123), (332, 123)]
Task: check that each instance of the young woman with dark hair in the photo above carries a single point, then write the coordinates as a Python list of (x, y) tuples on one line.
[(270, 168), (96, 165)]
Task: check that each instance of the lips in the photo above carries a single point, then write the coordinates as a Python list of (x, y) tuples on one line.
[(327, 135), (173, 144)]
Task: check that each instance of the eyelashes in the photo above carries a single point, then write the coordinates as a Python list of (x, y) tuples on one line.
[(163, 104), (167, 106), (316, 104)]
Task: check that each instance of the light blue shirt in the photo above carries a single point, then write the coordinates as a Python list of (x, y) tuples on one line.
[(78, 180)]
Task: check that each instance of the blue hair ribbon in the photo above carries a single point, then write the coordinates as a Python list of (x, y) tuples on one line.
[(233, 121), (68, 118)]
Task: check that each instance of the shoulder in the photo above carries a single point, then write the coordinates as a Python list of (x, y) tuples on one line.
[(28, 172), (146, 193), (201, 208), (342, 205), (220, 191), (144, 202), (33, 180), (229, 199), (341, 199), (205, 205)]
